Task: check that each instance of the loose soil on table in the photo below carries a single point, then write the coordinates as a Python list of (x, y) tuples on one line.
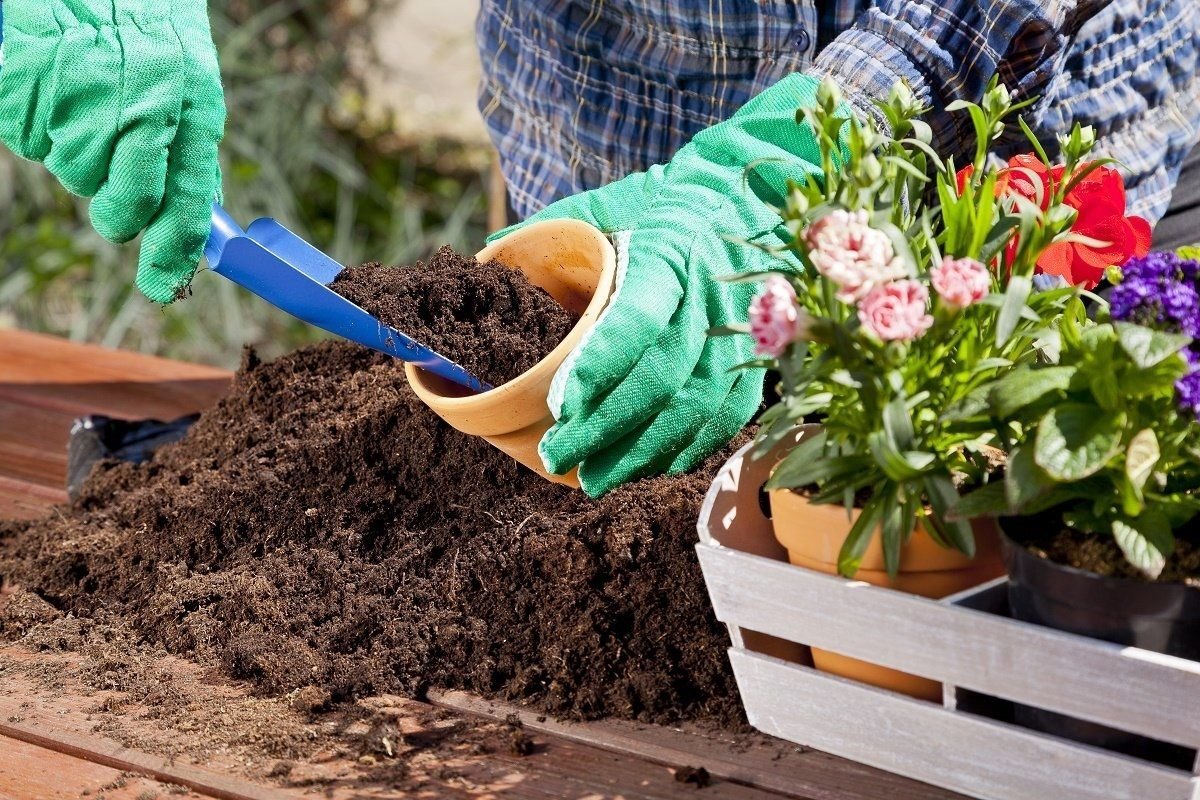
[(486, 317), (1102, 555), (93, 677), (319, 527)]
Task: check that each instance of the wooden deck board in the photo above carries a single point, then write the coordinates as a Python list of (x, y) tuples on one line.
[(47, 382), (30, 772)]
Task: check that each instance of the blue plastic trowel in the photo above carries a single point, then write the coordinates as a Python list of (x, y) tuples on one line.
[(292, 275)]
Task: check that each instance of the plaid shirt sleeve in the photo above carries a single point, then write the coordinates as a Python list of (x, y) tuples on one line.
[(949, 49)]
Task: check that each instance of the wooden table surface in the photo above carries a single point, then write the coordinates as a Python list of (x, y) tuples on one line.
[(48, 747)]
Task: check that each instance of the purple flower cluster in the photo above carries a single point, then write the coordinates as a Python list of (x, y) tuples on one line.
[(1159, 290)]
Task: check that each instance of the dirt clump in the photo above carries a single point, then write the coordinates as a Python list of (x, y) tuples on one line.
[(319, 531), (1102, 555), (486, 317)]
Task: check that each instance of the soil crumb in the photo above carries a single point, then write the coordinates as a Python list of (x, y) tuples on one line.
[(697, 776), (1101, 555), (320, 532), (486, 317)]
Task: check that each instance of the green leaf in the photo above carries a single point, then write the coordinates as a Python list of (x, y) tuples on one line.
[(794, 474), (795, 463), (1141, 456), (850, 556), (1157, 380), (896, 464), (986, 501), (1103, 383), (1148, 347), (943, 497), (898, 423), (1146, 541), (729, 330), (892, 531), (1024, 480), (1026, 385), (997, 238), (1075, 441), (1019, 287)]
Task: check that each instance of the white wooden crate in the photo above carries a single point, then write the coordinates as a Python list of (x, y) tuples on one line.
[(953, 641)]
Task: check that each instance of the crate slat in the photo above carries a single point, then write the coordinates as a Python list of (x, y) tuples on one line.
[(986, 759), (1124, 687)]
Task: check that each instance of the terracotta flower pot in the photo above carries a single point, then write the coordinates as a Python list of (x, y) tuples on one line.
[(813, 536), (577, 265)]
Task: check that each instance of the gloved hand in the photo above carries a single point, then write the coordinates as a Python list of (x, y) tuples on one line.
[(121, 100), (649, 391)]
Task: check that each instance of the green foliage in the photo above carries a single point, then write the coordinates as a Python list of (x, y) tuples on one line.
[(1099, 436), (297, 148)]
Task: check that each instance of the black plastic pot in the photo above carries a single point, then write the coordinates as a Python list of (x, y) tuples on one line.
[(1163, 617), (97, 438)]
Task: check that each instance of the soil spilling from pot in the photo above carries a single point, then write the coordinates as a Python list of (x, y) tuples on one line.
[(1102, 555), (486, 317), (320, 527)]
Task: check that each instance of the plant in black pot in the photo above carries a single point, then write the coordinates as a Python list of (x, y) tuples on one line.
[(1100, 496)]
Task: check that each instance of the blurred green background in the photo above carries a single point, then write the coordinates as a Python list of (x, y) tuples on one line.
[(300, 146)]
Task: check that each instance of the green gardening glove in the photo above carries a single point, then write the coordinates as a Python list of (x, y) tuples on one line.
[(121, 100), (649, 391)]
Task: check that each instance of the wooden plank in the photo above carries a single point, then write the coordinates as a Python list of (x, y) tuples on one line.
[(1124, 687), (24, 500), (108, 753), (74, 379), (986, 759), (33, 443), (36, 359), (29, 772), (748, 759)]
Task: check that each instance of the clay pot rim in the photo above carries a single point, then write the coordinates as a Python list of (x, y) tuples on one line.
[(553, 360)]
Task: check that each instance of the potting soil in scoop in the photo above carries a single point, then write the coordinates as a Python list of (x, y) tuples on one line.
[(320, 527), (486, 317)]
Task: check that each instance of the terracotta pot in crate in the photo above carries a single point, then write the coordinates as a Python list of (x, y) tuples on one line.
[(576, 264), (813, 536)]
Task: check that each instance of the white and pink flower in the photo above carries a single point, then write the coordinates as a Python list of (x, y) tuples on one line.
[(897, 311), (848, 251), (776, 320), (960, 282)]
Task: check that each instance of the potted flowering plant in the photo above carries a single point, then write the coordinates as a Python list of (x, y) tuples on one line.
[(908, 287), (1103, 482)]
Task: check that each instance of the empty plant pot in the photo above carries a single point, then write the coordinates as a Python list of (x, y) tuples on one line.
[(576, 264), (813, 536)]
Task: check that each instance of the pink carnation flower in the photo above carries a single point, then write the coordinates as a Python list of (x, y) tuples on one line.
[(775, 319), (852, 254), (896, 311), (960, 282)]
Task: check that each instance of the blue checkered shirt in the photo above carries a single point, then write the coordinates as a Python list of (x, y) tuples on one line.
[(577, 93)]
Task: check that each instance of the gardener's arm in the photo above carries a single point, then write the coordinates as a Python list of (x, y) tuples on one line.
[(949, 49), (122, 102)]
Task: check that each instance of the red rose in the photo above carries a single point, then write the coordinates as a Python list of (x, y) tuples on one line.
[(1099, 202), (1028, 177)]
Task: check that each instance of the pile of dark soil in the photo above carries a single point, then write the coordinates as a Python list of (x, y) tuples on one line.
[(486, 317), (320, 527), (1101, 555)]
